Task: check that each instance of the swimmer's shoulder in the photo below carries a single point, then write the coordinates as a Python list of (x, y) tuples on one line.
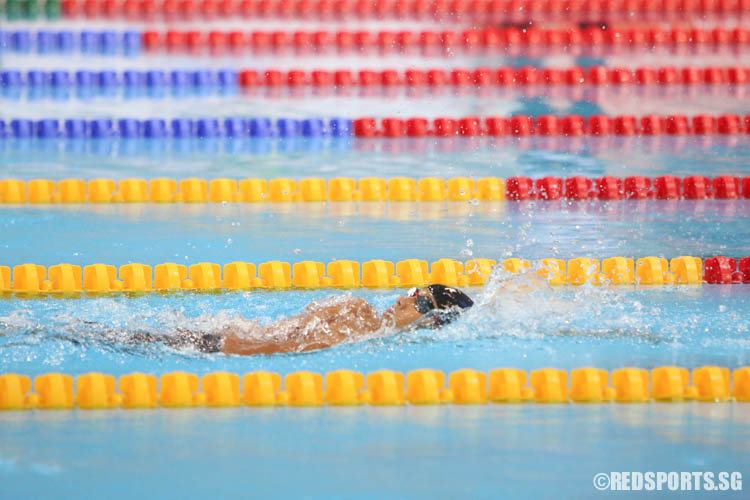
[(339, 302), (352, 307), (360, 304), (342, 307), (358, 301)]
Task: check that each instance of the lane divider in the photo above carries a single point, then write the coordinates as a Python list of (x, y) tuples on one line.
[(368, 127), (493, 39), (31, 279), (30, 10), (88, 42), (484, 76), (550, 125), (574, 39), (372, 189), (440, 11), (178, 128), (56, 391), (503, 77)]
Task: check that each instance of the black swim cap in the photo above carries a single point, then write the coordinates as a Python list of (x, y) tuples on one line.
[(450, 302), (447, 297)]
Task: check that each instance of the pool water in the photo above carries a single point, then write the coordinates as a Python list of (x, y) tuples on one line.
[(519, 451), (516, 450)]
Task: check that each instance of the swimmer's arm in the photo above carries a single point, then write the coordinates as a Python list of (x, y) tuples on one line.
[(261, 341), (248, 347), (363, 316)]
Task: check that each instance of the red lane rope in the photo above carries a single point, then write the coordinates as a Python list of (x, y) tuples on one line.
[(439, 10), (665, 187), (473, 39), (502, 77), (548, 125)]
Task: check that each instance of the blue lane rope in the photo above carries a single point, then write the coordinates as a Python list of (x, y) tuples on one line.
[(160, 128), (105, 42)]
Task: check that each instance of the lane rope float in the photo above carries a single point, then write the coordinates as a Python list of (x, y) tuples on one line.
[(91, 391), (373, 189), (497, 40), (599, 76), (60, 280), (370, 127), (457, 11)]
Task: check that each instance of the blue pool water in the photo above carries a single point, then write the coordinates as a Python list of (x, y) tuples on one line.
[(357, 158), (521, 451), (549, 452), (441, 452), (41, 103), (223, 233)]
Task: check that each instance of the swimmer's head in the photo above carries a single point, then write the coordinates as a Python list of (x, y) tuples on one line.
[(432, 306)]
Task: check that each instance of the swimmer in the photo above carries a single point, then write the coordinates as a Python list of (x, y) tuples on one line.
[(325, 324)]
